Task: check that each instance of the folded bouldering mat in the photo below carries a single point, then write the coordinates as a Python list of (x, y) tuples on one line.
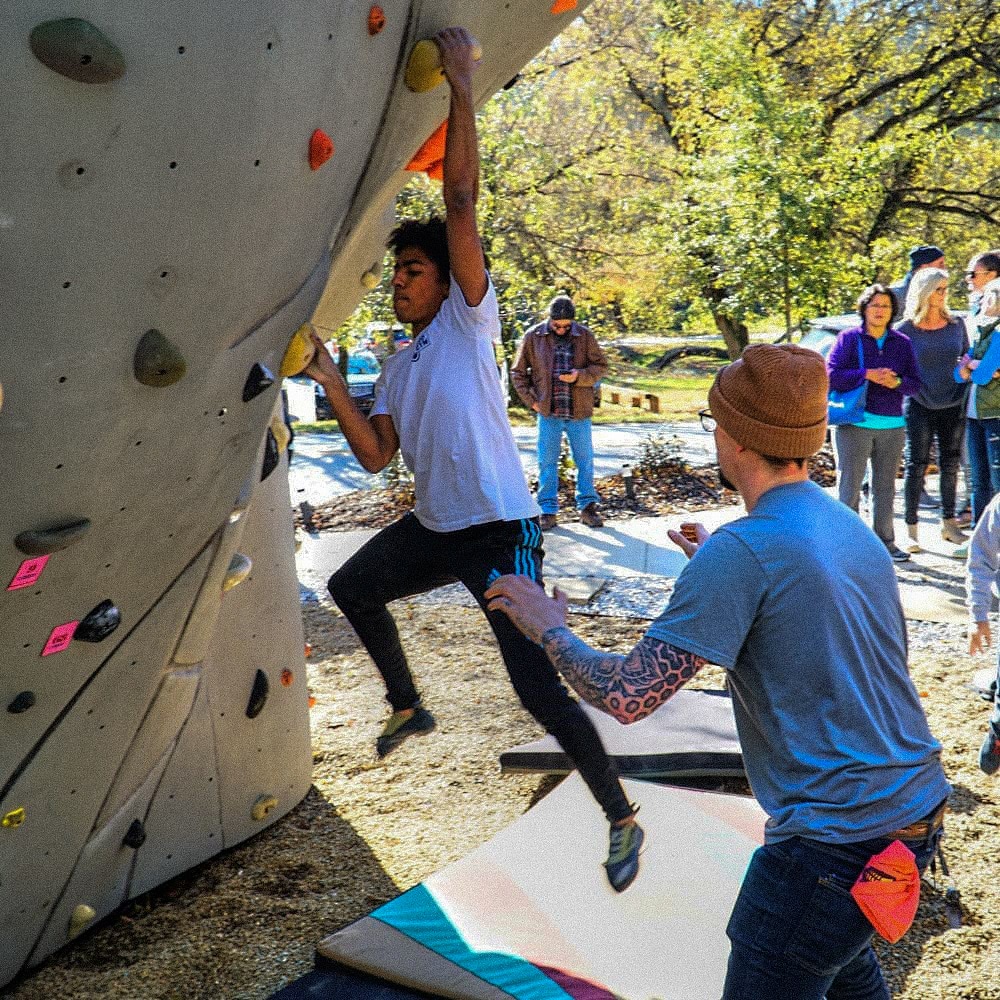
[(529, 915), (693, 735)]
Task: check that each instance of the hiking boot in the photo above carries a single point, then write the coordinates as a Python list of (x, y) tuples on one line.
[(951, 532), (962, 552), (398, 727), (622, 865), (911, 531), (547, 522), (590, 517), (989, 752), (897, 554)]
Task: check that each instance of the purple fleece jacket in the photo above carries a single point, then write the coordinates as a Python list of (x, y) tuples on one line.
[(896, 353)]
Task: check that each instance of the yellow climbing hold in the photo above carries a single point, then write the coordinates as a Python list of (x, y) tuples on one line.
[(264, 806), (371, 279), (13, 819), (423, 71), (300, 351), (239, 569), (281, 433), (82, 916)]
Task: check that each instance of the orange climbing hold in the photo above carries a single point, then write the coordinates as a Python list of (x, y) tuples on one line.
[(430, 157), (561, 6), (320, 149), (376, 20), (287, 677)]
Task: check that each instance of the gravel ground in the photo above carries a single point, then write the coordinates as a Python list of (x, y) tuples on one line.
[(246, 923)]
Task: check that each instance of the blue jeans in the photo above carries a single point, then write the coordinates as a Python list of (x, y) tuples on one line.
[(983, 440), (796, 932), (550, 432)]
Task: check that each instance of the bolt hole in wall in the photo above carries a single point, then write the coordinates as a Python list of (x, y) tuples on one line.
[(62, 378), (67, 284)]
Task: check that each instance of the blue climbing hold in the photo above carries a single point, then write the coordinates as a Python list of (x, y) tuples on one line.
[(99, 623)]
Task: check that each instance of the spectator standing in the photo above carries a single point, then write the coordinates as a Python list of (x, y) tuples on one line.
[(798, 602), (440, 404), (557, 366), (890, 367), (921, 257), (937, 409)]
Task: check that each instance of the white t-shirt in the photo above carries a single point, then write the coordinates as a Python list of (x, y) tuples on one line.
[(444, 396)]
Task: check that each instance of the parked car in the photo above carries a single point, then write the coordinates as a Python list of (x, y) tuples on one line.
[(362, 371)]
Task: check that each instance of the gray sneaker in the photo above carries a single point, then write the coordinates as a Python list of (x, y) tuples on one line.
[(989, 752), (622, 865)]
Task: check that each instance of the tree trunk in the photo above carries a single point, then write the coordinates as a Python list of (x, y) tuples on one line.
[(735, 334)]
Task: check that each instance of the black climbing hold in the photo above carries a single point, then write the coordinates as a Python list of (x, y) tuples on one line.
[(99, 623), (135, 836), (258, 695), (24, 701), (157, 361), (259, 379), (45, 541), (75, 48), (272, 455)]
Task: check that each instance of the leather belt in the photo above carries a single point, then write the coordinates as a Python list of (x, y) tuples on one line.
[(923, 827)]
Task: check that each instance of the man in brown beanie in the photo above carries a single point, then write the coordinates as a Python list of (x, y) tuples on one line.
[(798, 602)]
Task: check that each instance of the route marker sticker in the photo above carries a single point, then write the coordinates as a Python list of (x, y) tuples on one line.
[(61, 637), (28, 572)]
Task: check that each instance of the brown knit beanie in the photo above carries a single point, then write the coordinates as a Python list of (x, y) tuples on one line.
[(773, 400)]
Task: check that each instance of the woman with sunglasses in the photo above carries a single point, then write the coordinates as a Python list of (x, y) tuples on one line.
[(937, 409)]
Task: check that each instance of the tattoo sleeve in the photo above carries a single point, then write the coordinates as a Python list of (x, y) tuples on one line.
[(627, 687)]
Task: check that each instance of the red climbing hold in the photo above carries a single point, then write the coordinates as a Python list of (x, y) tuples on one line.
[(561, 6), (376, 20), (430, 157), (287, 677), (320, 149)]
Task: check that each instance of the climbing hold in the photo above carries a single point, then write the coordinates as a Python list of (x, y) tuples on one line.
[(21, 703), (287, 677), (423, 70), (1, 396), (45, 541), (265, 805), (258, 695), (320, 149), (430, 157), (75, 48), (562, 6), (376, 20), (81, 917), (300, 351), (282, 435), (13, 819), (99, 623), (135, 836), (272, 456), (259, 380), (239, 569), (312, 701), (372, 278), (157, 361)]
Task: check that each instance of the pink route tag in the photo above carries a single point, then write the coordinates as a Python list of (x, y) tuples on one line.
[(61, 637), (28, 572)]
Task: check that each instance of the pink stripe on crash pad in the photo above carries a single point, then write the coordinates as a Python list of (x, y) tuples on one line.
[(578, 989)]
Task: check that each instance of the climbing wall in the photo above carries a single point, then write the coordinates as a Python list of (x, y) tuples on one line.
[(182, 187)]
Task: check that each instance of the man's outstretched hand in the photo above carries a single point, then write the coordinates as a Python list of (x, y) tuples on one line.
[(527, 605)]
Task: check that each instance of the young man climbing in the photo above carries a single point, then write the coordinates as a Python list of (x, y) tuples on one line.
[(440, 404)]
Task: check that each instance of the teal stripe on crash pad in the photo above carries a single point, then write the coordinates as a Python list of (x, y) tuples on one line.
[(417, 915)]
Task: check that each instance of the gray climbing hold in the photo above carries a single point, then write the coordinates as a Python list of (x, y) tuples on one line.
[(264, 805), (22, 702), (258, 695), (135, 836), (82, 916), (272, 455), (45, 541), (259, 380), (157, 361), (99, 623), (239, 569), (75, 48)]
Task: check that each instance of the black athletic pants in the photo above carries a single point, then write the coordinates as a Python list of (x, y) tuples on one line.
[(406, 559)]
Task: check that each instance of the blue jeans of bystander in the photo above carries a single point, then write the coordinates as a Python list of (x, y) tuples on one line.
[(550, 432), (796, 932), (983, 441)]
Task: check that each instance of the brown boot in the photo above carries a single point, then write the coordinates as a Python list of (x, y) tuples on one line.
[(547, 522), (951, 532), (590, 516)]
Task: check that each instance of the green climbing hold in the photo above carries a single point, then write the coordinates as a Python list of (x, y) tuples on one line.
[(157, 361), (75, 48), (22, 702), (83, 915), (99, 623), (45, 541), (258, 695)]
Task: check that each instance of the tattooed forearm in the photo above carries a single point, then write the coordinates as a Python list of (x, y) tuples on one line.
[(627, 687)]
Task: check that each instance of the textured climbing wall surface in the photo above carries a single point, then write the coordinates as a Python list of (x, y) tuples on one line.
[(181, 188)]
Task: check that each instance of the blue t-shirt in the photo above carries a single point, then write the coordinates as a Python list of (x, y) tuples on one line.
[(799, 602)]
